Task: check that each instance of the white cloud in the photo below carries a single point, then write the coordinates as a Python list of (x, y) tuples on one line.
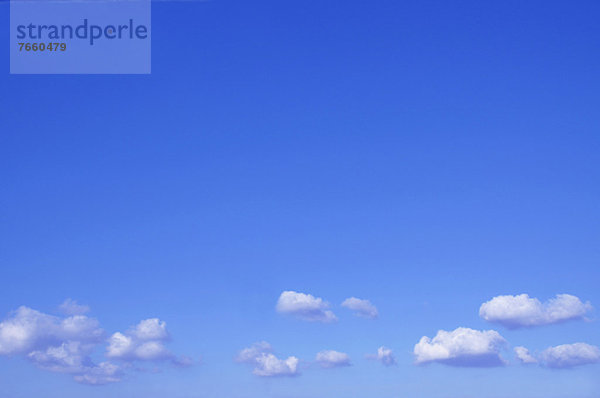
[(25, 329), (103, 373), (266, 364), (305, 306), (119, 345), (524, 356), (524, 311), (461, 347), (29, 330), (66, 344), (61, 345), (143, 342), (68, 357), (570, 355), (183, 361), (332, 359), (71, 307), (73, 358), (384, 355), (151, 329), (152, 350), (248, 355), (362, 308), (269, 365)]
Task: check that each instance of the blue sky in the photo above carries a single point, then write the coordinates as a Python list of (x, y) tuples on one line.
[(427, 157)]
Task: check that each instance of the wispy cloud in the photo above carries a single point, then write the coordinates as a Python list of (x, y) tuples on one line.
[(383, 355), (524, 356), (362, 308), (72, 307), (332, 359)]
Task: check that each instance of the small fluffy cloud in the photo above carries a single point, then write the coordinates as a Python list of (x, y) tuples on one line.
[(61, 345), (27, 330), (384, 355), (461, 347), (524, 311), (151, 329), (248, 355), (570, 355), (269, 365), (305, 307), (332, 359), (71, 307), (562, 356), (143, 342), (73, 358), (362, 308), (66, 344), (265, 363), (524, 356)]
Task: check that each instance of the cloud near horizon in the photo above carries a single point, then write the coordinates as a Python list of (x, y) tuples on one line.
[(362, 308), (524, 356), (523, 311), (60, 345), (265, 363), (563, 356), (384, 355), (305, 307), (570, 355), (333, 359), (143, 342), (66, 344), (461, 347)]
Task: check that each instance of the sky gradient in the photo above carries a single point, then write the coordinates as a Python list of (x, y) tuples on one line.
[(283, 158)]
